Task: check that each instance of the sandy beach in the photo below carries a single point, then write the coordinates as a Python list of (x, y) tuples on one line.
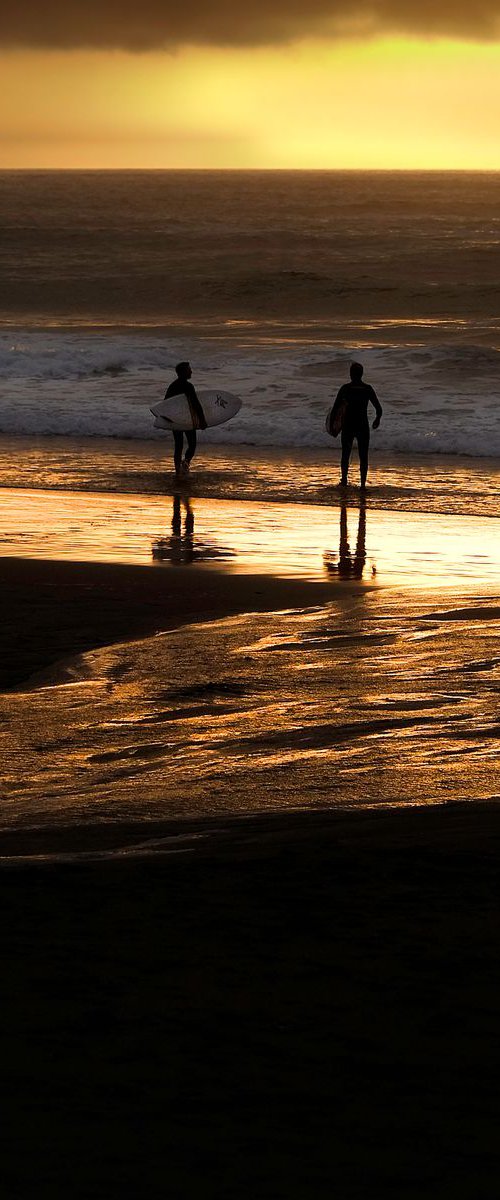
[(249, 855)]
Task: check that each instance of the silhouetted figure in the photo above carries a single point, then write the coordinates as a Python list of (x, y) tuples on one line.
[(352, 402), (179, 548), (178, 387), (350, 566)]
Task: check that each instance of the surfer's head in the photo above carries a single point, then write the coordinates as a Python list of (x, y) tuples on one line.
[(356, 372), (183, 370)]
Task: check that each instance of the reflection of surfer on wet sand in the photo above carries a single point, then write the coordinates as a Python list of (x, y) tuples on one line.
[(179, 547), (349, 566)]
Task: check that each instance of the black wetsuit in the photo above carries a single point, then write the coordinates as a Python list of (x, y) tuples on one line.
[(183, 387), (355, 426)]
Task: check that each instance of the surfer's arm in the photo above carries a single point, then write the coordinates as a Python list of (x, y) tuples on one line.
[(191, 393), (377, 406)]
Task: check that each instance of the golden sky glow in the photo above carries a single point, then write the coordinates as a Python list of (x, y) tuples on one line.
[(381, 103)]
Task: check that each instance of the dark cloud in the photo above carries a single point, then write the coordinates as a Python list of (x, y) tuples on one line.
[(151, 24)]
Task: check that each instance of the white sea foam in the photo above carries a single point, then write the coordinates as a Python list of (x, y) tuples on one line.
[(436, 398)]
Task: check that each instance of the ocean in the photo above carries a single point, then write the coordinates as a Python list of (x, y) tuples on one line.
[(270, 283)]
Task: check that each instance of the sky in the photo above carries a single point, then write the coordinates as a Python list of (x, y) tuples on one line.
[(275, 83)]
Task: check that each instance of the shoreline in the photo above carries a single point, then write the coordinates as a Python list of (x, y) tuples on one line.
[(425, 483)]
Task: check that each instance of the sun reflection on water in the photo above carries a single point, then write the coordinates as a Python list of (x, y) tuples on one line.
[(348, 543)]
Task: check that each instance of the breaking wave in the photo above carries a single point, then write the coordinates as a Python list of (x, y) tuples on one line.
[(437, 398)]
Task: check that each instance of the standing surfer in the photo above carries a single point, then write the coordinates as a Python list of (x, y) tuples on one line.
[(178, 387), (351, 408)]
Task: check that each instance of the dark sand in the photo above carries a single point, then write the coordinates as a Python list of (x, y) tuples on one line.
[(302, 1006), (54, 609), (306, 1007)]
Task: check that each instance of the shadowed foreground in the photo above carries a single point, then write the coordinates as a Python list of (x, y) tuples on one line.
[(304, 1006), (54, 609)]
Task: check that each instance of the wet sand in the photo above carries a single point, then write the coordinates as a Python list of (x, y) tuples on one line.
[(85, 570), (51, 610)]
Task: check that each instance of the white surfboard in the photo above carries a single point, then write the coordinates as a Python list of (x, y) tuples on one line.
[(175, 413)]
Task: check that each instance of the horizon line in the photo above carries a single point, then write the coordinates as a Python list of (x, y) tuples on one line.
[(259, 170)]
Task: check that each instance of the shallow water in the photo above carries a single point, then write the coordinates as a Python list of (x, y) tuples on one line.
[(346, 542), (418, 483)]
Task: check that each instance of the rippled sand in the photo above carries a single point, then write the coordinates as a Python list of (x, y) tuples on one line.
[(374, 701)]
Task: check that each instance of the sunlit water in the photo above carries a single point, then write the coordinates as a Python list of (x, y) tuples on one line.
[(349, 540)]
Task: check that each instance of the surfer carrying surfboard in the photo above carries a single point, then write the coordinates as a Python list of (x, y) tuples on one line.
[(351, 411), (178, 387)]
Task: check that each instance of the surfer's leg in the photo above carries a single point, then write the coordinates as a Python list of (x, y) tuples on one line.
[(363, 444), (347, 440), (191, 445), (178, 437)]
